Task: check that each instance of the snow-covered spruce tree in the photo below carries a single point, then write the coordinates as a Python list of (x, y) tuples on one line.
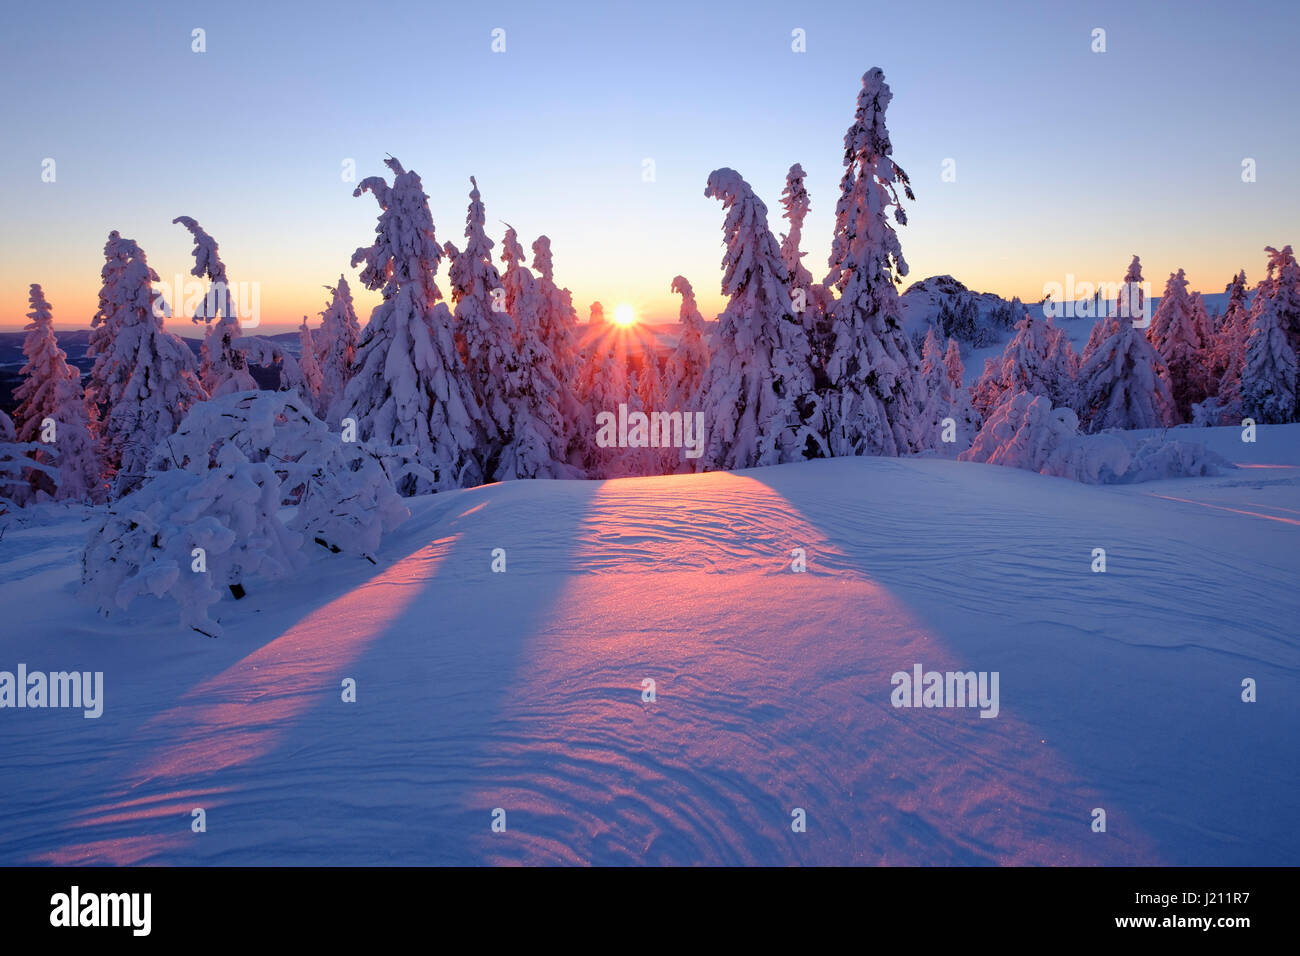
[(149, 374), (485, 332), (795, 202), (223, 368), (312, 380), (1102, 329), (52, 410), (946, 398), (537, 446), (1026, 366), (1229, 351), (874, 400), (1063, 368), (410, 393), (1123, 385), (1176, 332), (811, 299), (758, 394), (104, 324), (1129, 303), (559, 319), (988, 390), (1269, 373), (603, 385), (690, 359), (336, 348)]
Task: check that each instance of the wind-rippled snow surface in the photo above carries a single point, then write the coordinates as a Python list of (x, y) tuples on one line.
[(523, 690)]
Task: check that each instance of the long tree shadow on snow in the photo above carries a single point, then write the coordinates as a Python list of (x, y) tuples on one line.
[(284, 769)]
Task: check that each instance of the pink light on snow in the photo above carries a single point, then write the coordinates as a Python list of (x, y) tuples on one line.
[(240, 714)]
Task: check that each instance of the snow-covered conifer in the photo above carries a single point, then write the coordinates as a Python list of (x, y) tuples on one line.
[(410, 393), (105, 323), (558, 323), (51, 395), (1176, 331), (485, 332), (223, 367), (1228, 354), (690, 359), (537, 446), (149, 378), (312, 380), (1269, 373), (1122, 385), (758, 394), (875, 396), (336, 348), (795, 202)]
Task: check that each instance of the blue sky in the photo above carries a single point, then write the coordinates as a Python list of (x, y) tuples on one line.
[(1067, 161)]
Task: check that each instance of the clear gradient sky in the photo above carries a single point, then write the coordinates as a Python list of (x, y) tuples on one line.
[(1067, 161)]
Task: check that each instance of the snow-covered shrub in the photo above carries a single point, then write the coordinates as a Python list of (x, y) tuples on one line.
[(1154, 458), (16, 467), (343, 498), (188, 535), (1025, 431), (252, 478)]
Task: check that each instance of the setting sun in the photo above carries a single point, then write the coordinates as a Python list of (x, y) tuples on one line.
[(624, 315)]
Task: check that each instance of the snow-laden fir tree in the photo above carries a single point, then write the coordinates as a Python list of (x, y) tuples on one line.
[(559, 320), (1063, 368), (690, 359), (336, 348), (1176, 332), (1101, 330), (224, 368), (603, 384), (1026, 362), (1130, 303), (1123, 384), (1282, 284), (596, 316), (988, 391), (795, 202), (949, 418), (104, 325), (875, 397), (1229, 351), (1269, 376), (811, 300), (485, 332), (312, 380), (149, 382), (537, 446), (410, 393), (52, 409), (758, 395)]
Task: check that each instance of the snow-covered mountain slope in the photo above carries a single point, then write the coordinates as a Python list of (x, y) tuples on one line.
[(523, 690)]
